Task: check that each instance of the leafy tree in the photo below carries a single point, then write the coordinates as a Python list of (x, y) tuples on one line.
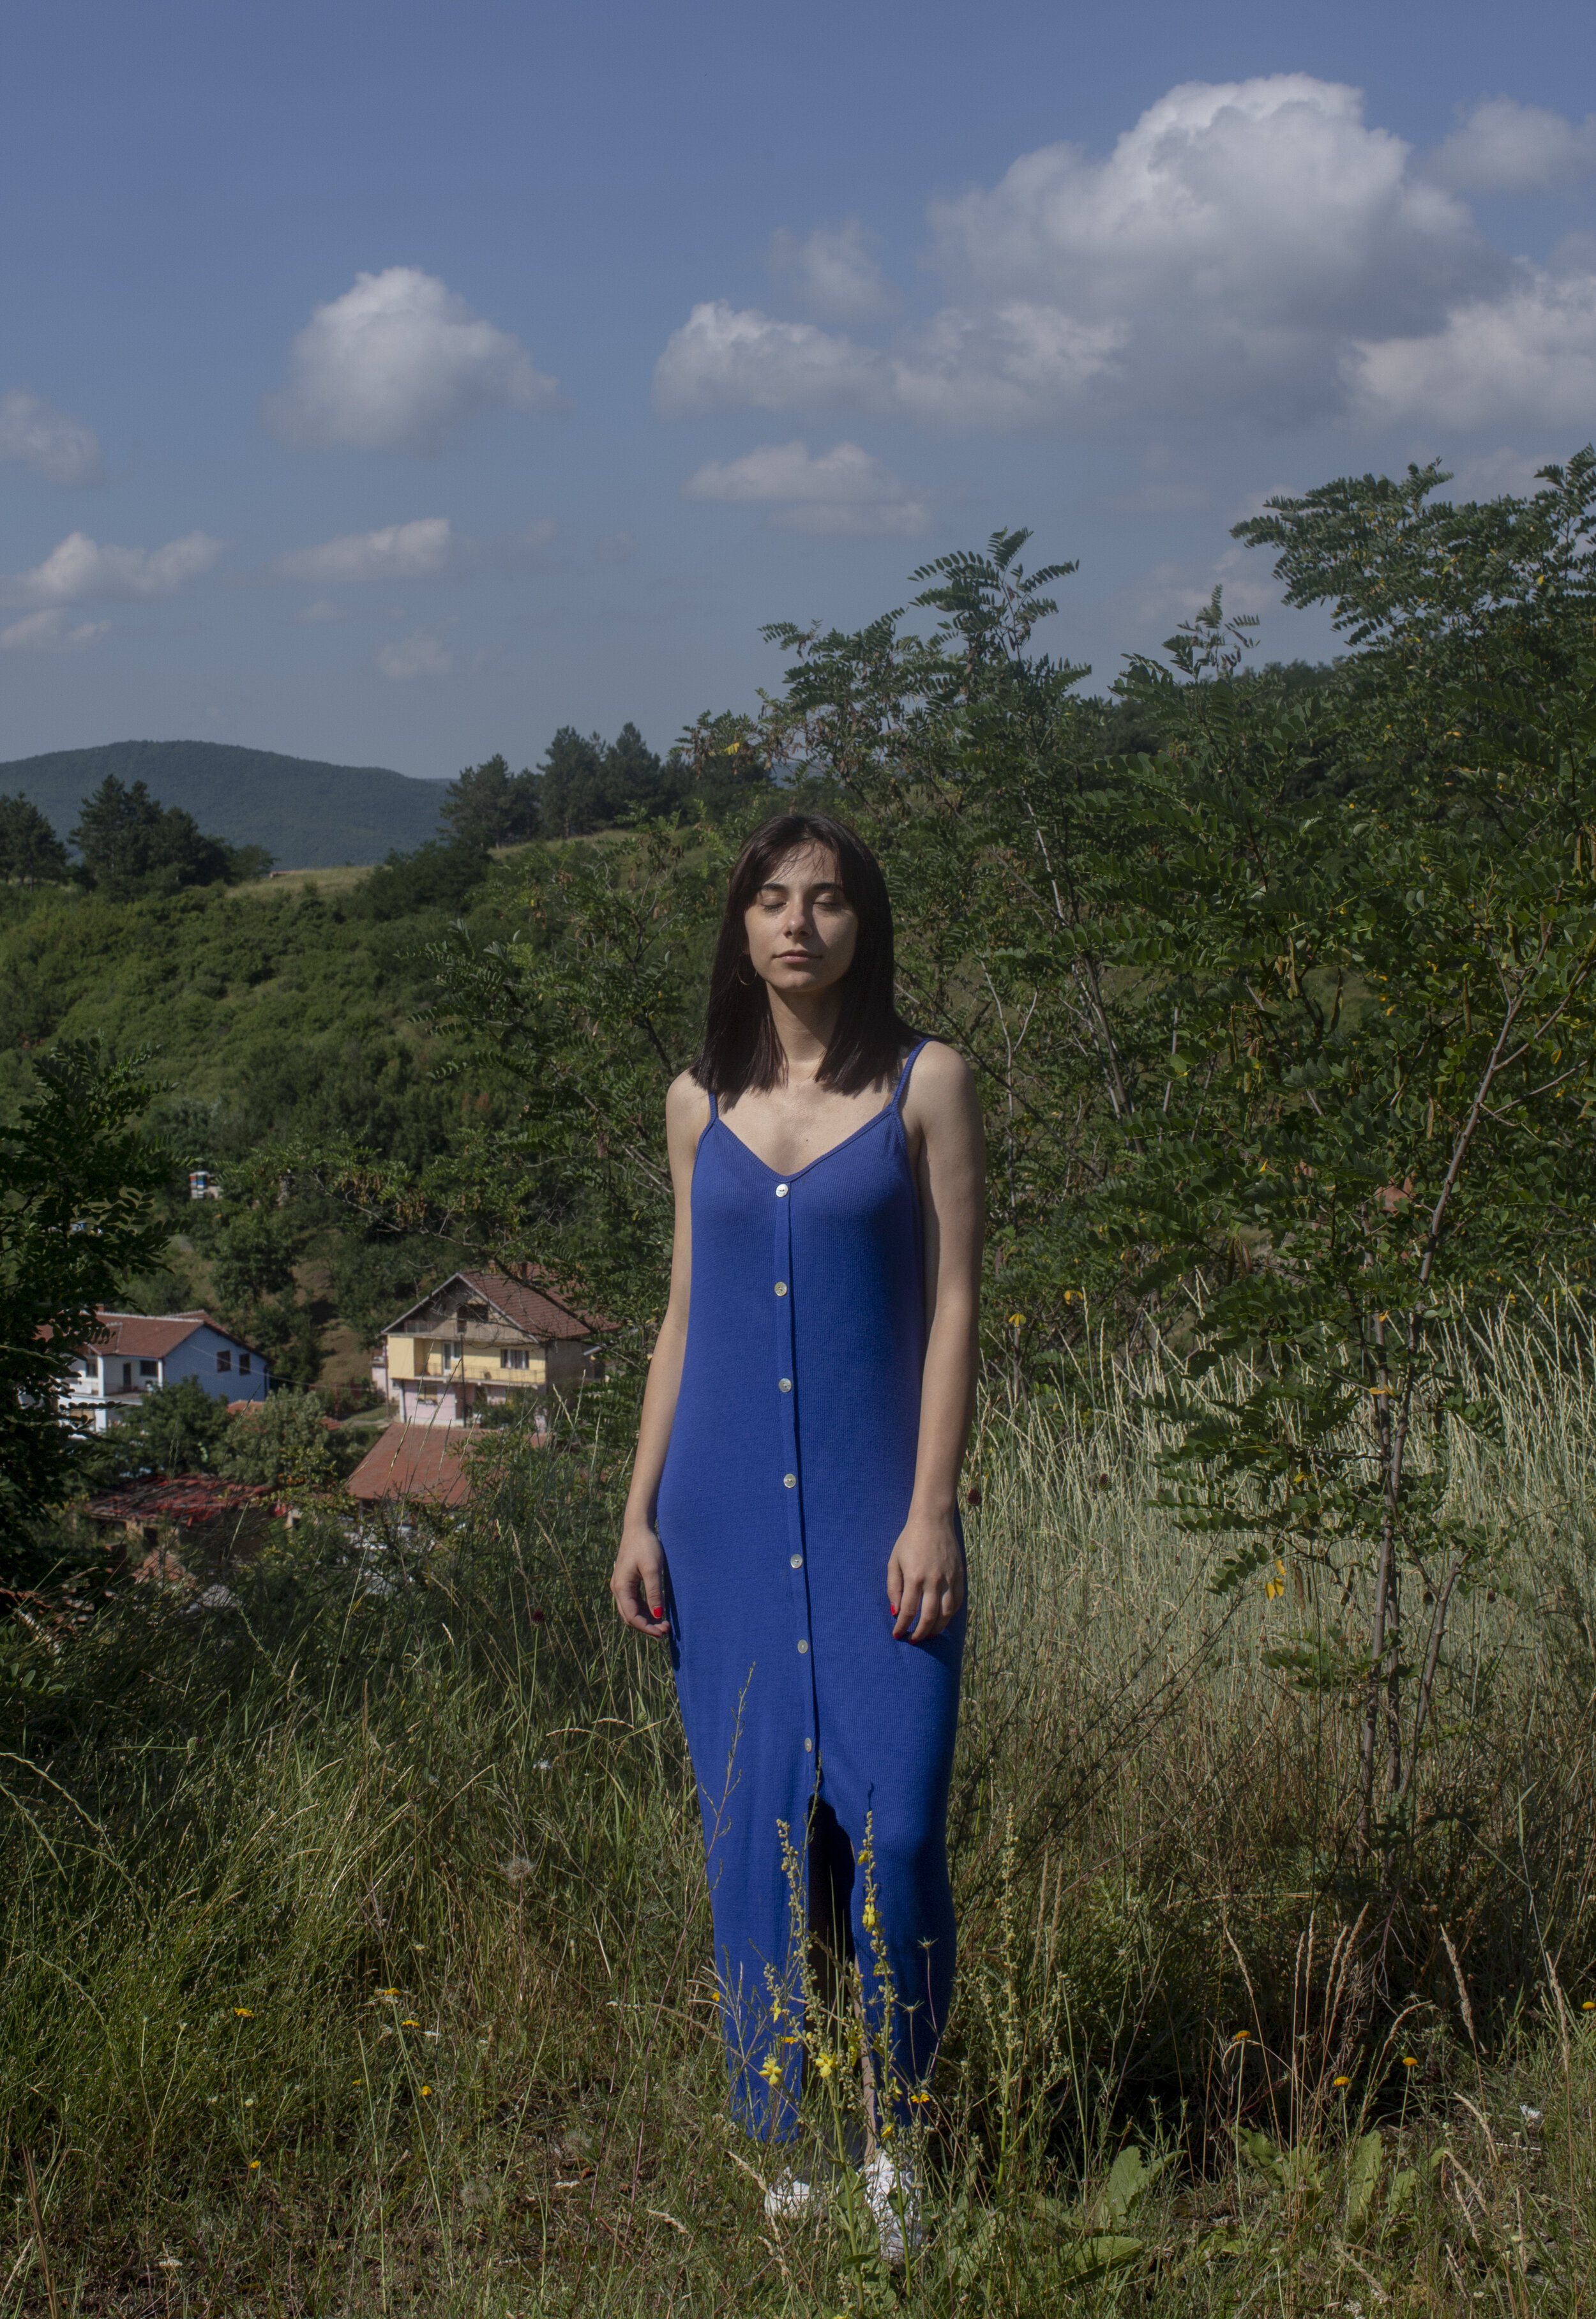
[(440, 875), (30, 850), (177, 1429), (720, 760), (373, 1276), (487, 804), (285, 1439), (254, 1254), (589, 784), (76, 1217), (130, 841)]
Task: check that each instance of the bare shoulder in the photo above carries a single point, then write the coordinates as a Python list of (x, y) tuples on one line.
[(940, 1072), (942, 1102), (687, 1114)]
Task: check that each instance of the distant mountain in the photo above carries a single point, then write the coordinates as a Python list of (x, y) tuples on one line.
[(307, 815)]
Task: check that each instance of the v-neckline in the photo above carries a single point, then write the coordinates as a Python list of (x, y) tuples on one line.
[(791, 1175)]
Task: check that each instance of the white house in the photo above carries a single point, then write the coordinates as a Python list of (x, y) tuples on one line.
[(480, 1338), (138, 1352)]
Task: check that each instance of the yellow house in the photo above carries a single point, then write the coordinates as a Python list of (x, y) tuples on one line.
[(479, 1339)]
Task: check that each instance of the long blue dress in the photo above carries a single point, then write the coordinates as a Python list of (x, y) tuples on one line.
[(789, 1477)]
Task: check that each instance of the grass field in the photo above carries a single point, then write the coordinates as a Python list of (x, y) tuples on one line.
[(355, 1937)]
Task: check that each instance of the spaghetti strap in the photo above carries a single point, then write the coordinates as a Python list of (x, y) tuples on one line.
[(897, 1092)]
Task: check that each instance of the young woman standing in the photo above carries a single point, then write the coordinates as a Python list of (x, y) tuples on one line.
[(792, 1526)]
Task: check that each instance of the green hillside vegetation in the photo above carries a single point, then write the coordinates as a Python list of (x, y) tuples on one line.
[(302, 813), (1271, 1820), (268, 1016)]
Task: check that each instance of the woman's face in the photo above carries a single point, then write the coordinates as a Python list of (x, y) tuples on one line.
[(802, 929)]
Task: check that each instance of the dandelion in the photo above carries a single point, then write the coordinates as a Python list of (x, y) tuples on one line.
[(425, 2092), (1589, 2006), (1410, 2060), (1343, 2082), (410, 2023), (244, 2012), (255, 2166), (1240, 2036)]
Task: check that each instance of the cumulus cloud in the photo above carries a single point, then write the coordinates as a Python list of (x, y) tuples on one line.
[(49, 632), (1251, 252), (833, 271), (80, 570), (1530, 354), (842, 494), (1507, 148), (428, 548), (62, 449), (396, 362), (423, 550), (425, 654)]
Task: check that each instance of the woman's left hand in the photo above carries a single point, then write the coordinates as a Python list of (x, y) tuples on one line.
[(926, 1577)]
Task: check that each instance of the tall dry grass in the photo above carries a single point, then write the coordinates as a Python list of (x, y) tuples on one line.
[(356, 1936)]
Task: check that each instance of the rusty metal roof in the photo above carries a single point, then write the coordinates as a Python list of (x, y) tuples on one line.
[(188, 1499), (414, 1461)]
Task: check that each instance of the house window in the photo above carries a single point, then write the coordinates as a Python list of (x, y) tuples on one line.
[(243, 1364), (127, 1377), (224, 1362), (149, 1368), (512, 1356)]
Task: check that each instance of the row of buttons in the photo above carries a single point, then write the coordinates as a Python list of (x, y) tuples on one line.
[(790, 1481)]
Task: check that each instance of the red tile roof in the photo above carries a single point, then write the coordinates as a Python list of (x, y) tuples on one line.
[(414, 1461)]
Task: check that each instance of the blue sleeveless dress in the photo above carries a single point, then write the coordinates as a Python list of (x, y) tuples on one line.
[(789, 1477)]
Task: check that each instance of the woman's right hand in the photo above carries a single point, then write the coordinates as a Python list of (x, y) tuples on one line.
[(637, 1582)]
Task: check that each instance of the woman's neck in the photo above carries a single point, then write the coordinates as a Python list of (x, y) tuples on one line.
[(803, 1024)]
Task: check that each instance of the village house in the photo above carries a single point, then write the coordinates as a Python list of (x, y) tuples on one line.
[(481, 1339), (138, 1352)]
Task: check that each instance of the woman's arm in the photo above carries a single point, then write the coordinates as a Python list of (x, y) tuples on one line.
[(637, 1580), (926, 1572)]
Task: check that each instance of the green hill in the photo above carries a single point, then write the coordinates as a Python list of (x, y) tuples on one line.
[(307, 815)]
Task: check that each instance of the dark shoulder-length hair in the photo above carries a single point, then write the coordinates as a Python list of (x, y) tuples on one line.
[(740, 1050)]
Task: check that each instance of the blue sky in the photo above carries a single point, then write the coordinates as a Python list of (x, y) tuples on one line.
[(394, 384)]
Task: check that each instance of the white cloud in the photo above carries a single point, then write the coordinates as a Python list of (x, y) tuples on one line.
[(842, 494), (1527, 359), (422, 550), (1250, 253), (396, 362), (424, 654), (833, 271), (62, 449), (1507, 148), (428, 548), (80, 570), (48, 632)]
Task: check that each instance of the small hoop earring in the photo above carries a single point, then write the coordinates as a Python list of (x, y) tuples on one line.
[(745, 981)]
